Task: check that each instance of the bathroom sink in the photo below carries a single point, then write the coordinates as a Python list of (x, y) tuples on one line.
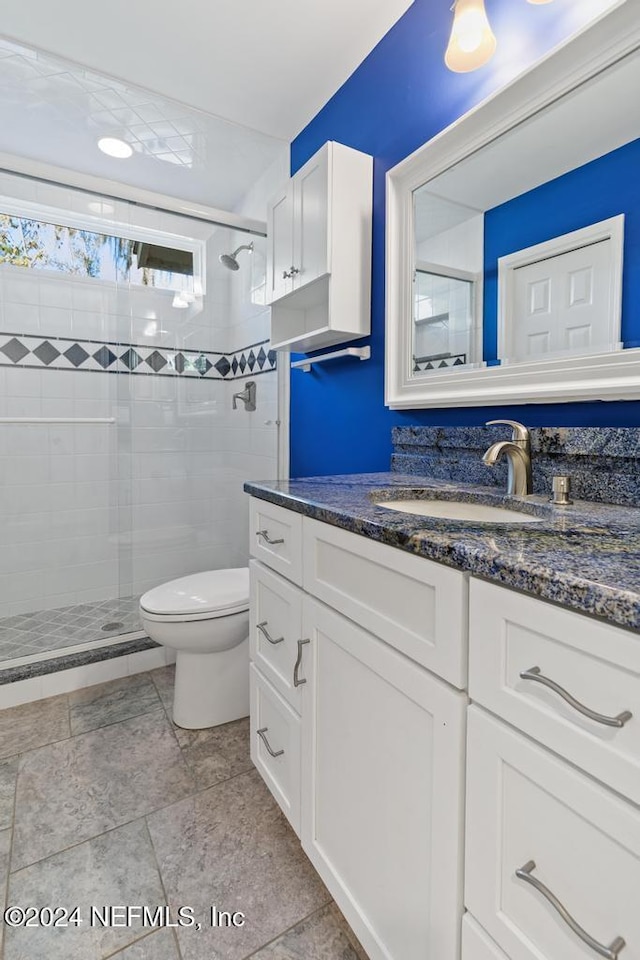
[(459, 510)]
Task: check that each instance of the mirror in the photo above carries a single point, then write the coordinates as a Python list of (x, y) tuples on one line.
[(513, 238)]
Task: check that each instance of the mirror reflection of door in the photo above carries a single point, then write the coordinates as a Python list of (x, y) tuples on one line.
[(563, 296)]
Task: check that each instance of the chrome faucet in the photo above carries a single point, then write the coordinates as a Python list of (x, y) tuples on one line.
[(518, 452)]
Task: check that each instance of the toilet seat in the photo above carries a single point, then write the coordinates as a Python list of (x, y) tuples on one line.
[(201, 596)]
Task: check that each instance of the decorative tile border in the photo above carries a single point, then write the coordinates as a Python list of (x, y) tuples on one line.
[(438, 362), (65, 353)]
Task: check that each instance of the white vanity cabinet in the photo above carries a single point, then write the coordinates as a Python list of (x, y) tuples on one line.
[(376, 740), (363, 691), (319, 251)]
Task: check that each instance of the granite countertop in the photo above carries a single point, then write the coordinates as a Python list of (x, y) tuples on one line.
[(585, 556)]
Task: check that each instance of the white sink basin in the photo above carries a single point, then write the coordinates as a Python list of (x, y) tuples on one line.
[(458, 510)]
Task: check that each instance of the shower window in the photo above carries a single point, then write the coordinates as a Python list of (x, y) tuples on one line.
[(77, 249)]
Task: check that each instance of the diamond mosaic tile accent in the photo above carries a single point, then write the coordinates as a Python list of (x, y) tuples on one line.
[(47, 353), (15, 350), (156, 361), (63, 353), (76, 354), (131, 359), (104, 356)]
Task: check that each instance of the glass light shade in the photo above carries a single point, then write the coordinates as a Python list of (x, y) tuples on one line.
[(472, 42)]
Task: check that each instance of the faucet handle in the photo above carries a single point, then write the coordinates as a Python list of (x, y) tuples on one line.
[(519, 431)]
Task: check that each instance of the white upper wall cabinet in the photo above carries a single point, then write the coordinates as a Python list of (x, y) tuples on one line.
[(319, 252)]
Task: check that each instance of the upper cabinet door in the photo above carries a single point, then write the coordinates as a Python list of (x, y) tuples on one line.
[(280, 243), (311, 214), (319, 252)]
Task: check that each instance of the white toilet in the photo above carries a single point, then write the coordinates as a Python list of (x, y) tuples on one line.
[(205, 619)]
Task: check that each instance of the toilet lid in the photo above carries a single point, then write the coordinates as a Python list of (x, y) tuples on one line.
[(215, 591)]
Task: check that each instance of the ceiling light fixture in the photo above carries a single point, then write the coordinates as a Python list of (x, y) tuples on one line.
[(115, 148), (472, 42)]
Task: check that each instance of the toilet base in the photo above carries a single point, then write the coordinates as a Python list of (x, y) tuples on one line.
[(211, 689)]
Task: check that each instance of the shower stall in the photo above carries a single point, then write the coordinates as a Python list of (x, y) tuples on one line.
[(124, 333)]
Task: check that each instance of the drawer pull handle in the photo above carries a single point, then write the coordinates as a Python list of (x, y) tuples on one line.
[(262, 627), (297, 681), (265, 536), (533, 673), (611, 952), (262, 733)]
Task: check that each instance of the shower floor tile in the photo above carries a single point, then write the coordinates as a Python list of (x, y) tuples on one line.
[(48, 630)]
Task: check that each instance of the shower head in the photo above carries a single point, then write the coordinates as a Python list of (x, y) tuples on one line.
[(229, 259)]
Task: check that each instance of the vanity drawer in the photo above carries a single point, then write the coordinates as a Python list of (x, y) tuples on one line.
[(528, 810), (597, 664), (476, 942), (275, 629), (417, 606), (276, 538), (279, 734)]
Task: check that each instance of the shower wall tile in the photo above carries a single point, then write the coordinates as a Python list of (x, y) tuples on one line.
[(91, 511)]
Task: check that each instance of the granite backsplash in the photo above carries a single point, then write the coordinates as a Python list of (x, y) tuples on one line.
[(603, 462)]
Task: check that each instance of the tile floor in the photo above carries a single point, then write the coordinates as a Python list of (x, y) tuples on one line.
[(105, 802), (47, 630)]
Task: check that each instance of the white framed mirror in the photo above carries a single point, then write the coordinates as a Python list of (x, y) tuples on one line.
[(500, 285)]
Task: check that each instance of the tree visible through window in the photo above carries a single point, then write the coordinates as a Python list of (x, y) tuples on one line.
[(37, 245)]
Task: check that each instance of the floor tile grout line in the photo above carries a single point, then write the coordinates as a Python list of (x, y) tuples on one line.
[(72, 736), (292, 926), (10, 855), (162, 883), (132, 943), (148, 813), (113, 723)]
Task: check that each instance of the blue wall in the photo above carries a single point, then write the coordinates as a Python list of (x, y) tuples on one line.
[(400, 97), (596, 191)]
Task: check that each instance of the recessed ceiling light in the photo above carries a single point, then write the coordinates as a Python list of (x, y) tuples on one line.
[(115, 148)]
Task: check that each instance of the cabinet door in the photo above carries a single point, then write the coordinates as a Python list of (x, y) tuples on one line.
[(310, 219), (382, 785), (280, 243), (540, 832)]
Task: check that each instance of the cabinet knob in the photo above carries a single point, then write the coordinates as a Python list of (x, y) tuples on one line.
[(286, 275), (293, 271)]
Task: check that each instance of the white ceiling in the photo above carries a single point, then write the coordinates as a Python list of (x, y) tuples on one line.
[(266, 64), (53, 111)]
